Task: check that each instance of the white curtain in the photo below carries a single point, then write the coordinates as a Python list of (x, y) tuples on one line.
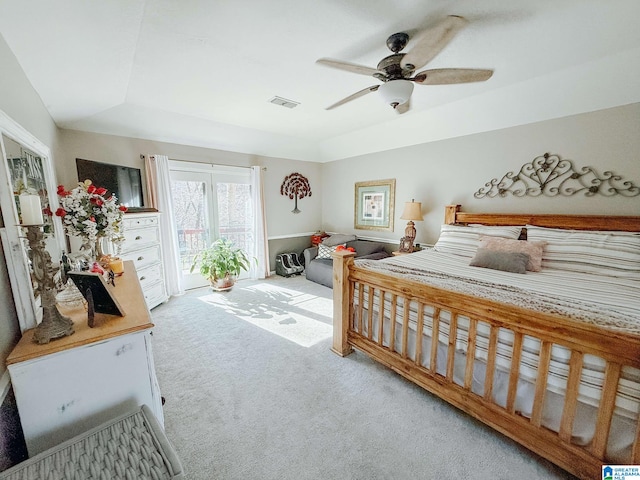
[(261, 248), (159, 189)]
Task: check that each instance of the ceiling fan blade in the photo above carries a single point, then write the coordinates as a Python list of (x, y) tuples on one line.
[(447, 76), (354, 96), (430, 42), (349, 67), (403, 107)]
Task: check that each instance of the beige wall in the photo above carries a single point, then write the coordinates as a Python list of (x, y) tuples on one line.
[(450, 171), (127, 151)]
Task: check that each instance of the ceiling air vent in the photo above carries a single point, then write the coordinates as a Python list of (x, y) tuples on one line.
[(283, 102)]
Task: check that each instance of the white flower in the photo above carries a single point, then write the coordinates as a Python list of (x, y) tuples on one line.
[(85, 212)]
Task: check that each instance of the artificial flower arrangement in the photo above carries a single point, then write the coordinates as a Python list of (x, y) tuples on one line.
[(85, 212)]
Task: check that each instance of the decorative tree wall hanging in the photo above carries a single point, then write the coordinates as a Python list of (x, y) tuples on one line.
[(295, 186), (551, 176)]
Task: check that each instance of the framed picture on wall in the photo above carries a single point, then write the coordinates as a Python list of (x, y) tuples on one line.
[(374, 205)]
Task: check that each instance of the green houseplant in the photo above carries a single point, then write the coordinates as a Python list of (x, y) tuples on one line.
[(221, 263)]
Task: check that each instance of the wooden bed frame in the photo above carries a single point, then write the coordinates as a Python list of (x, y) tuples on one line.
[(615, 348)]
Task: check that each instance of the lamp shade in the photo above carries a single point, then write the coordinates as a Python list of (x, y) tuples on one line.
[(396, 92), (412, 211)]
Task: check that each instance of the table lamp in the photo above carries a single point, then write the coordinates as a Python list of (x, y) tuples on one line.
[(412, 211)]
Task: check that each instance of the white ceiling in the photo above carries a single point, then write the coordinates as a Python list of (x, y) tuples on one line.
[(201, 72)]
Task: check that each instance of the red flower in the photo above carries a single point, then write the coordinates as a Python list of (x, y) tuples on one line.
[(122, 208), (61, 212), (47, 211), (91, 189), (101, 191), (99, 202), (93, 219), (61, 191)]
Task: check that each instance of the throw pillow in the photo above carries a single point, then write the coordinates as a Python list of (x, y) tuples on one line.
[(325, 252), (514, 262), (531, 248), (611, 253), (463, 241), (338, 239)]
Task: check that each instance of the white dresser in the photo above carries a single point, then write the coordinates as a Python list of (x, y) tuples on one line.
[(75, 383), (142, 246)]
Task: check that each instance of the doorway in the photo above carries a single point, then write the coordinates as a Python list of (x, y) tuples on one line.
[(210, 202)]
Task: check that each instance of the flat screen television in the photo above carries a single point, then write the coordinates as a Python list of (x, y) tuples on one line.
[(123, 182)]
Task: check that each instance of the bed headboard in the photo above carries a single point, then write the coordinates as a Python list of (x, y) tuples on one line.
[(454, 215)]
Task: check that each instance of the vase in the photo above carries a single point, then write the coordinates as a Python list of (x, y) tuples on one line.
[(223, 283), (92, 251), (99, 248)]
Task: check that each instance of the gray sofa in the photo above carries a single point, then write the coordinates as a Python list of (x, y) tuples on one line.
[(320, 270)]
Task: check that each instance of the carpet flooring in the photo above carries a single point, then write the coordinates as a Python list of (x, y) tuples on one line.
[(253, 392)]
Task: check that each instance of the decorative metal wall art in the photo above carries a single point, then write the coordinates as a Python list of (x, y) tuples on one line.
[(295, 186), (551, 176)]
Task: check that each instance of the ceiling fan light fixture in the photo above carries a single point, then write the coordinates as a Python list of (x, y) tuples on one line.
[(396, 92)]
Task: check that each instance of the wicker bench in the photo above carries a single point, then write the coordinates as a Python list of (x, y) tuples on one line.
[(132, 445)]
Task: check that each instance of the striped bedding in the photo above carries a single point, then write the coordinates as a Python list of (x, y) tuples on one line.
[(607, 301)]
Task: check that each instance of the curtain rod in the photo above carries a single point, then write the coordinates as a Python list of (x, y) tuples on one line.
[(142, 157)]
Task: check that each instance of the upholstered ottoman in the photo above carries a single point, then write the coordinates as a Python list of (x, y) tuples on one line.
[(132, 446)]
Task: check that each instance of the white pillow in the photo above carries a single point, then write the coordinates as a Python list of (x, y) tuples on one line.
[(615, 254), (464, 240), (325, 251)]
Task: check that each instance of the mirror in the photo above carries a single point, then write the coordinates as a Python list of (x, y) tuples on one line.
[(26, 164)]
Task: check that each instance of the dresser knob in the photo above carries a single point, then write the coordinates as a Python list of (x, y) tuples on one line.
[(140, 258), (142, 278), (138, 237)]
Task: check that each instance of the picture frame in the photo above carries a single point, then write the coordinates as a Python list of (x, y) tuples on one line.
[(103, 299), (375, 205)]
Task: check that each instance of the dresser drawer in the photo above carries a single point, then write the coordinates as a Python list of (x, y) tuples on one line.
[(155, 295), (150, 275), (139, 222), (144, 257), (139, 237)]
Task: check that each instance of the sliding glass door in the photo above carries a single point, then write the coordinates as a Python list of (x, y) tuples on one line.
[(210, 202)]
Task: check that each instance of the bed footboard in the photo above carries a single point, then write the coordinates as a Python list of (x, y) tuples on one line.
[(469, 351)]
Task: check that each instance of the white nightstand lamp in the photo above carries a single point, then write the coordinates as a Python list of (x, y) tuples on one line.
[(412, 212)]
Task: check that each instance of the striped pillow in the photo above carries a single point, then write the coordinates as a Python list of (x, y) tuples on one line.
[(464, 240), (615, 254)]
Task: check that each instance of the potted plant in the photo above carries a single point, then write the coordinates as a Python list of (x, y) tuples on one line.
[(221, 263)]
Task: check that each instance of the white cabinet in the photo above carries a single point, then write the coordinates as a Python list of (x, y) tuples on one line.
[(142, 246), (75, 383)]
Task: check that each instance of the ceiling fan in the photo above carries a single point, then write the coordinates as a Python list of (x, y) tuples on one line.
[(396, 70)]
